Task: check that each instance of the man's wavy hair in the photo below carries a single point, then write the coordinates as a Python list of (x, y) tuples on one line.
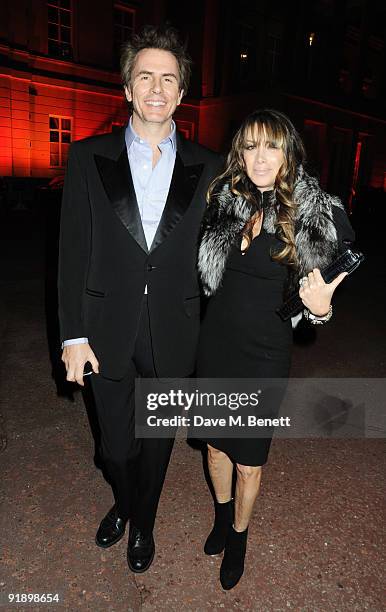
[(266, 125), (165, 38)]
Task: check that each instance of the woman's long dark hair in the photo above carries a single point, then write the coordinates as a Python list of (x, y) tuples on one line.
[(266, 125)]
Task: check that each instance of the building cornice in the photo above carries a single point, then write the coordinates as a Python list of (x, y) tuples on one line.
[(16, 61)]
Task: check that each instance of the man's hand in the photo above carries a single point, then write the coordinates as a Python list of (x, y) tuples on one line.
[(74, 357)]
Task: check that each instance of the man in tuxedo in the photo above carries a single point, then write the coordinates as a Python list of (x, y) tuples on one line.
[(129, 301)]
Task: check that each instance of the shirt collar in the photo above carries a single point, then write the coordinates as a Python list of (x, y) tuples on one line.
[(130, 136)]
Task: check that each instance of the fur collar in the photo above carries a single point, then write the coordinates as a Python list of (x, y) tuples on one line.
[(315, 233)]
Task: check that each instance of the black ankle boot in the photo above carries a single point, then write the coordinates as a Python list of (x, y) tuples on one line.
[(232, 566), (223, 519)]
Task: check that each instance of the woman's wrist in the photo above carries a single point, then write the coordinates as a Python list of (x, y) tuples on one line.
[(323, 313), (318, 319)]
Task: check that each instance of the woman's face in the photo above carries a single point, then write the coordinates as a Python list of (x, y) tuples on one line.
[(263, 160)]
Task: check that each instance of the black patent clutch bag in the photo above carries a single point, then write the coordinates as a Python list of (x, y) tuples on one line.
[(346, 262)]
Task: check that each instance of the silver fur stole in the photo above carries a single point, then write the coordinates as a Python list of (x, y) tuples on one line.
[(315, 233)]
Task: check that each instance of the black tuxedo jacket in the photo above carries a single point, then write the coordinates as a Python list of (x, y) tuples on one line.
[(104, 262)]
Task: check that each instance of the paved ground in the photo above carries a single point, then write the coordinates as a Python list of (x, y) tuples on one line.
[(316, 536)]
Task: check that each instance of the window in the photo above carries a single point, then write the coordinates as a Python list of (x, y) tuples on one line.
[(354, 12), (314, 137), (247, 53), (124, 26), (324, 8), (273, 55), (59, 28), (273, 50), (345, 80), (60, 139), (339, 148)]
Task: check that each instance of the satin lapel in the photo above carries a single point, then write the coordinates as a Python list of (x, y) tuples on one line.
[(118, 183), (182, 187)]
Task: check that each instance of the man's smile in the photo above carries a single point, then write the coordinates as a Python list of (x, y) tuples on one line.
[(155, 103)]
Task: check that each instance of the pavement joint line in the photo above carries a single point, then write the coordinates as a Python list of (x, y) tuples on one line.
[(3, 329), (3, 437), (139, 590)]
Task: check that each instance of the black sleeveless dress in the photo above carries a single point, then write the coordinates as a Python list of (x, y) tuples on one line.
[(242, 336)]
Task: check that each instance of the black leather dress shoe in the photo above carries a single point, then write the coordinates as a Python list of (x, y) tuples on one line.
[(111, 529), (140, 550)]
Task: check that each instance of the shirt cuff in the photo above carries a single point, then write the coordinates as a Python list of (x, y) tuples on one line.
[(74, 341), (296, 320)]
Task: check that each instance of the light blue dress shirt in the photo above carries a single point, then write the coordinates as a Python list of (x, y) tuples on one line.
[(151, 185)]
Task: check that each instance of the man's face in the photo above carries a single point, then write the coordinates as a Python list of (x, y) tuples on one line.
[(154, 89)]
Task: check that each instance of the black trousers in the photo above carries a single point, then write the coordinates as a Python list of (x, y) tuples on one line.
[(136, 467)]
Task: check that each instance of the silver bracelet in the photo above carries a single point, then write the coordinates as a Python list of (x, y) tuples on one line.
[(317, 320)]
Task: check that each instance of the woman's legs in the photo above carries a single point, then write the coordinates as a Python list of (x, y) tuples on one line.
[(247, 489), (223, 534), (221, 471), (247, 484)]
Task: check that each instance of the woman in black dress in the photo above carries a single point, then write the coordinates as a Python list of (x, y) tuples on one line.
[(268, 224)]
